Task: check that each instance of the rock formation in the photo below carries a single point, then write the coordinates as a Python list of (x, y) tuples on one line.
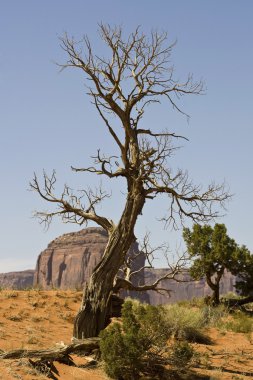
[(184, 290), (17, 280), (69, 260)]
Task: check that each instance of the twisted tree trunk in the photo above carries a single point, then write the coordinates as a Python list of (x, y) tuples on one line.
[(91, 318), (215, 286)]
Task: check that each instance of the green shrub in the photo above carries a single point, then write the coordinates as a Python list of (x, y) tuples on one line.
[(181, 355), (194, 302), (130, 348), (241, 323), (120, 353), (213, 316), (183, 321)]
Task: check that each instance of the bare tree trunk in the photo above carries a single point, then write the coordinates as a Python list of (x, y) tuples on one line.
[(91, 318)]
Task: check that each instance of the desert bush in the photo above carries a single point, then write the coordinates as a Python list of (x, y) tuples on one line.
[(19, 316), (214, 316), (239, 323), (15, 318), (121, 353), (194, 302), (129, 348), (36, 318), (184, 322), (11, 294), (230, 295), (181, 355)]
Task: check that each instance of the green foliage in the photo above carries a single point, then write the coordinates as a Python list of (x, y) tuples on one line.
[(138, 344), (121, 353), (187, 323), (180, 318), (181, 355), (240, 323), (214, 315), (128, 348), (213, 251), (244, 284)]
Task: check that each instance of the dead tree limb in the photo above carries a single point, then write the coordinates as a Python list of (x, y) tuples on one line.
[(126, 274), (85, 346)]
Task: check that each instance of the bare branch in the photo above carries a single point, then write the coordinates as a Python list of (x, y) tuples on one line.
[(106, 166), (70, 206), (168, 134), (174, 269), (137, 73), (86, 346)]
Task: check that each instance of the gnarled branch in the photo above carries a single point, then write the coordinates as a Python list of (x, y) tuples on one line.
[(70, 206), (125, 282), (86, 346)]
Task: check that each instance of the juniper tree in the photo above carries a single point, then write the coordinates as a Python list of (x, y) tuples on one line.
[(212, 252), (137, 73)]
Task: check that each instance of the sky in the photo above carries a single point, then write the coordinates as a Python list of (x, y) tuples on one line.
[(47, 121)]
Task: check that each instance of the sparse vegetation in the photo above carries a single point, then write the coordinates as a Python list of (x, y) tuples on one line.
[(240, 323), (215, 315), (180, 318), (37, 318), (185, 339), (10, 294), (181, 355)]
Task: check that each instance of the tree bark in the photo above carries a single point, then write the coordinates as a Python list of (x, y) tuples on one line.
[(86, 346), (215, 297), (91, 318), (214, 284)]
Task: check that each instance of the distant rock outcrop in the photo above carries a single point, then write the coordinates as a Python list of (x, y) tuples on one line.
[(17, 280), (184, 290), (69, 260)]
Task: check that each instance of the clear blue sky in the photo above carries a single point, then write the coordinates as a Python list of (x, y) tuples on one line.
[(46, 120)]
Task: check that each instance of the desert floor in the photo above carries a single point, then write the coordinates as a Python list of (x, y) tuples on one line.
[(36, 319)]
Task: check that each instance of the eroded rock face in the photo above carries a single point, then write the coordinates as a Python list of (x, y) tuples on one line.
[(69, 260), (184, 290), (17, 280)]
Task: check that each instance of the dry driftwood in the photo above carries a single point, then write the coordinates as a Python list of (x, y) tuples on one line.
[(85, 346)]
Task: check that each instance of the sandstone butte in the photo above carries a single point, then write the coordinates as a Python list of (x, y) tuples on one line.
[(68, 261)]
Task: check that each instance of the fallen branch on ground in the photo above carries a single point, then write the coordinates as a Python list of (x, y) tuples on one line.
[(85, 346)]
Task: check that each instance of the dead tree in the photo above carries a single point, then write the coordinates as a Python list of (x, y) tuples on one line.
[(137, 74)]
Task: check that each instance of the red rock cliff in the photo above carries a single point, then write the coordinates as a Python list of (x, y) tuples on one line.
[(69, 260)]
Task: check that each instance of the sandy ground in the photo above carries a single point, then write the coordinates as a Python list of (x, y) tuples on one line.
[(36, 319)]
